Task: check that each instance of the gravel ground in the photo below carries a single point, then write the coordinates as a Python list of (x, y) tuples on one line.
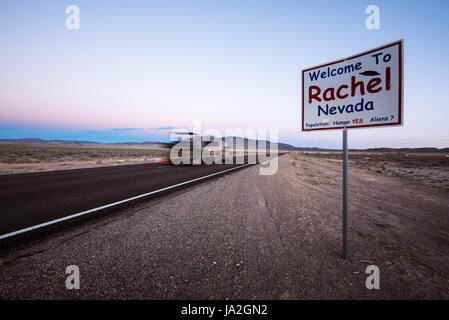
[(247, 236)]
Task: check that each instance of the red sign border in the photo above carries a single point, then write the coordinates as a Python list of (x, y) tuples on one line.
[(400, 100)]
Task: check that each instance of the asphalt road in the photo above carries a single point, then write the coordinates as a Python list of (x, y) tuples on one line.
[(30, 199)]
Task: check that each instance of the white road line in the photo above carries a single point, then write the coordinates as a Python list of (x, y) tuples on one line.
[(38, 226)]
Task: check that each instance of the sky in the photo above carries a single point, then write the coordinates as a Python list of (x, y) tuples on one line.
[(136, 70)]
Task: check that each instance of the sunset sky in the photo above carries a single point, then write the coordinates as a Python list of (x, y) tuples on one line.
[(137, 69)]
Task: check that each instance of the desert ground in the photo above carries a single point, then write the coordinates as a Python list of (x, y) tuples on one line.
[(249, 236), (429, 168), (37, 157), (22, 158)]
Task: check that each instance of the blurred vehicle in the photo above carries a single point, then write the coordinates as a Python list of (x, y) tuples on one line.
[(183, 148)]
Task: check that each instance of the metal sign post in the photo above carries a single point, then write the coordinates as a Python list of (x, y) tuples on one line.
[(345, 194)]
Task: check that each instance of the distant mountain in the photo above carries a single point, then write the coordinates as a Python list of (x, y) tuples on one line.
[(42, 141), (407, 150), (280, 145), (150, 143), (245, 142)]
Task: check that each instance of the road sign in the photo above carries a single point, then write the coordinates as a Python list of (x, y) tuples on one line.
[(364, 90)]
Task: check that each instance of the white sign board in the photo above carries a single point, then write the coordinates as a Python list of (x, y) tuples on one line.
[(364, 90)]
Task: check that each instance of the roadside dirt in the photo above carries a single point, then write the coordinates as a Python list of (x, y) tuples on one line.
[(431, 169), (248, 236), (23, 158)]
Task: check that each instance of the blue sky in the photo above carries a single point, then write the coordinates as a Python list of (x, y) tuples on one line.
[(136, 69)]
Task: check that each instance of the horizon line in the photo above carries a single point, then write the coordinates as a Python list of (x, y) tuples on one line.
[(162, 142)]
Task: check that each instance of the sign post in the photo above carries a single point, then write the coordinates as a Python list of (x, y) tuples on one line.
[(361, 91), (345, 194)]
